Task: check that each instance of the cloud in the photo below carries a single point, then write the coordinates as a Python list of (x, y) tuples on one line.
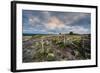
[(46, 14), (71, 18), (33, 20), (79, 29), (54, 23), (35, 31), (67, 29)]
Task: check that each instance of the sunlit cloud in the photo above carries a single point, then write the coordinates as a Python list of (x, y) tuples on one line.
[(54, 23)]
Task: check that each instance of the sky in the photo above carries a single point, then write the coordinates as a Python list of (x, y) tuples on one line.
[(52, 22)]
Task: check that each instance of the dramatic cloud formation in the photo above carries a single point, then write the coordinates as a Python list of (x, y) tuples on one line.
[(54, 23), (44, 22)]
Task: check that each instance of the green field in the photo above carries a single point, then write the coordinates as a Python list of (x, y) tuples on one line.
[(56, 47)]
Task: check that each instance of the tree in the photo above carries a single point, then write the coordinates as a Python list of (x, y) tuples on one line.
[(59, 33), (71, 33)]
